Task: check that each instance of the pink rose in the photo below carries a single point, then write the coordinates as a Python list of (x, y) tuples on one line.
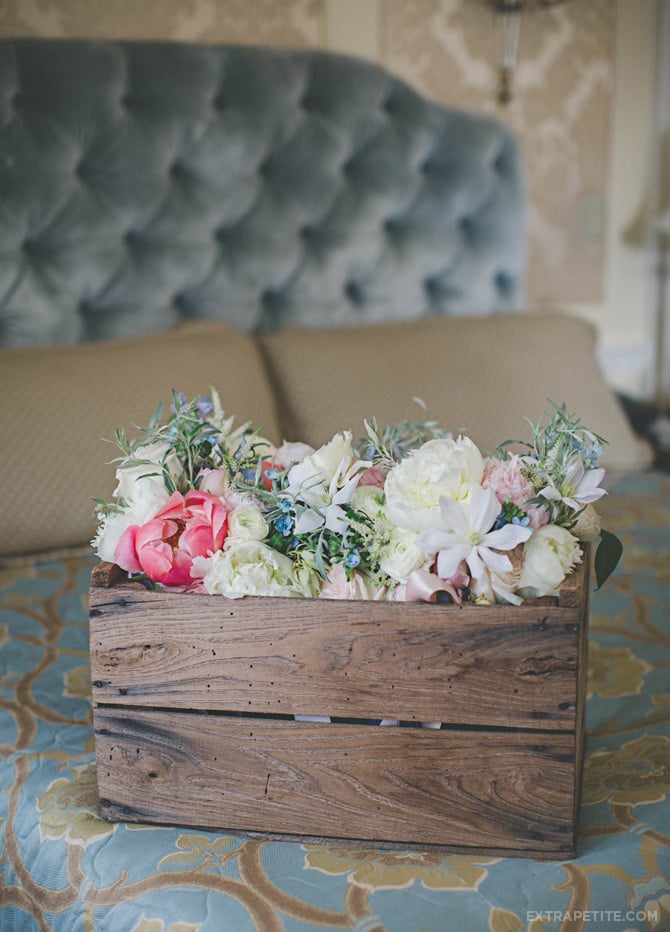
[(374, 476), (506, 479), (164, 548)]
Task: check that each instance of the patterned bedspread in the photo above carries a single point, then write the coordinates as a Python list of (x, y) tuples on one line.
[(63, 868)]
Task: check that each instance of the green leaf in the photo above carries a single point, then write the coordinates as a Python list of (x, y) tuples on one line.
[(608, 555)]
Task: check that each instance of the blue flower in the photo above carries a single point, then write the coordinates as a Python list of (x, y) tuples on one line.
[(353, 558), (285, 505), (521, 522), (284, 525), (271, 474), (183, 402), (205, 405)]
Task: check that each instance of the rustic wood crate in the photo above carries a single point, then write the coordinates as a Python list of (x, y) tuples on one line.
[(194, 698)]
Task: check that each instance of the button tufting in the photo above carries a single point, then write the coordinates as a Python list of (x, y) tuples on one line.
[(131, 238), (504, 283), (354, 292), (269, 297)]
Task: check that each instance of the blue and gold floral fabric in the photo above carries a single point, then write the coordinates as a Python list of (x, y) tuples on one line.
[(63, 868)]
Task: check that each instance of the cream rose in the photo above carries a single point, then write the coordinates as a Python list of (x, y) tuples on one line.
[(441, 468), (402, 555), (588, 525), (246, 523), (248, 567), (548, 556)]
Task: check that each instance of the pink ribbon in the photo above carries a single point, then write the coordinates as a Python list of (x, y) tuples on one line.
[(423, 586)]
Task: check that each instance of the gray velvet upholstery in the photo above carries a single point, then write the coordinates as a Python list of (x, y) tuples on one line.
[(143, 183)]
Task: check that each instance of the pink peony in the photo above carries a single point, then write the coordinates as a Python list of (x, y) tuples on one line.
[(189, 526), (506, 479)]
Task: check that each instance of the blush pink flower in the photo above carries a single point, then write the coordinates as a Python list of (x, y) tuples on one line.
[(506, 479), (189, 526), (374, 476)]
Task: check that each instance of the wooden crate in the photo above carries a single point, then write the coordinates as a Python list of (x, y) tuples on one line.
[(194, 698)]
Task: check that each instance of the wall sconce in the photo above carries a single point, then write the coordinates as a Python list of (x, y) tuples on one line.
[(511, 12)]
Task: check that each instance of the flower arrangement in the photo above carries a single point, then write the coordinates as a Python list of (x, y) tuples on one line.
[(406, 513)]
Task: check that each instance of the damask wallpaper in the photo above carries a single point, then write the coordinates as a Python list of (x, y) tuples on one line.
[(449, 49), (560, 110)]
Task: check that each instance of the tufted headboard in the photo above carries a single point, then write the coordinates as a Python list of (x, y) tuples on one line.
[(146, 182)]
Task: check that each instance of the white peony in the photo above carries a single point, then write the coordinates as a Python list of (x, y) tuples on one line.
[(548, 556), (248, 567), (402, 555), (441, 468)]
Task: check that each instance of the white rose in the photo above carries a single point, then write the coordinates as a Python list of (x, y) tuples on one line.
[(588, 525), (249, 567), (548, 556), (440, 468), (146, 494), (246, 523), (402, 555)]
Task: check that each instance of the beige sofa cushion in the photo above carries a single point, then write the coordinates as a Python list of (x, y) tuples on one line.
[(480, 376), (57, 404)]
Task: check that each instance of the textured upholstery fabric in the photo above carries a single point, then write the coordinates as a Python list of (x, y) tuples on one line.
[(482, 377), (144, 183), (59, 402)]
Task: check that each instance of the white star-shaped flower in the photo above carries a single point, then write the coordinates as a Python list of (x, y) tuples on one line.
[(466, 535)]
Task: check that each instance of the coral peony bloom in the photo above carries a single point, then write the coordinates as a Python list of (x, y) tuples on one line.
[(164, 548)]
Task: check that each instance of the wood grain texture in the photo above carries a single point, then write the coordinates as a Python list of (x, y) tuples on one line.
[(194, 698), (493, 790), (497, 665)]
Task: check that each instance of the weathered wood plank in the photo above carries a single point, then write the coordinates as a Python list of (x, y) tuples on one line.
[(497, 665), (489, 790)]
